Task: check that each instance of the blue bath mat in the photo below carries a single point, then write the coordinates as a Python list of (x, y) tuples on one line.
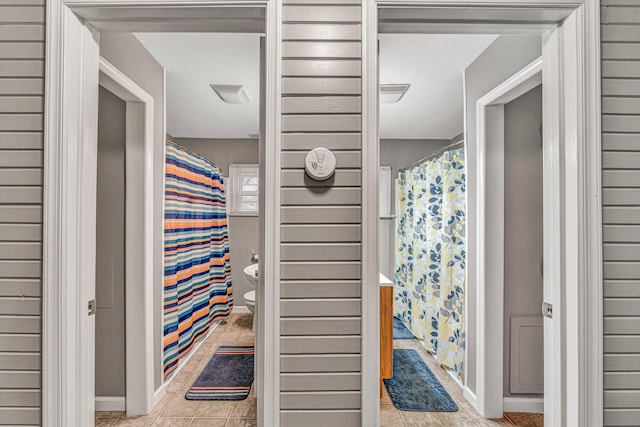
[(400, 330), (414, 387), (227, 376)]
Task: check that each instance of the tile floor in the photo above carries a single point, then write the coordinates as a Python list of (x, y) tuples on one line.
[(466, 415), (175, 411)]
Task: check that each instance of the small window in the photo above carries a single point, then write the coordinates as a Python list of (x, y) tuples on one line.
[(384, 186), (242, 190)]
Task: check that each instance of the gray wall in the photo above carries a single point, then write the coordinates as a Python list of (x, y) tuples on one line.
[(621, 213), (125, 52), (243, 230), (321, 223), (223, 152), (502, 59), (522, 221), (21, 124), (398, 153), (110, 241)]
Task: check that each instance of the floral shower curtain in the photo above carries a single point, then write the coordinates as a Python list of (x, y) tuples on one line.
[(197, 271), (430, 255)]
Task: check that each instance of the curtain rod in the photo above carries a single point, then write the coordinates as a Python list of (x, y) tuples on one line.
[(434, 154)]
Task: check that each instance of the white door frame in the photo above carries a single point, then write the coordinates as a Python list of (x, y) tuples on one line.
[(489, 160), (71, 86), (578, 308), (139, 390)]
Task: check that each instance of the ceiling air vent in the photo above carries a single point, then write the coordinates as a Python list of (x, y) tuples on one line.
[(232, 94), (392, 93)]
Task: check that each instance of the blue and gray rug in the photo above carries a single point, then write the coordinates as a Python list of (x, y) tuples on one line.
[(414, 387), (227, 376), (400, 330)]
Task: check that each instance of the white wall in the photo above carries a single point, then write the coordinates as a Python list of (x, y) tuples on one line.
[(506, 56)]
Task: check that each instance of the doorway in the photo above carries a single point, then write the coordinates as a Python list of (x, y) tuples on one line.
[(83, 26), (124, 243), (424, 20), (207, 136), (423, 132)]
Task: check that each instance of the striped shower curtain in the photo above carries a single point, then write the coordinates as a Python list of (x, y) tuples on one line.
[(430, 255), (197, 271)]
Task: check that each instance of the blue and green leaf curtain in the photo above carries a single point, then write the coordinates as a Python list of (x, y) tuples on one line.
[(430, 255), (197, 271)]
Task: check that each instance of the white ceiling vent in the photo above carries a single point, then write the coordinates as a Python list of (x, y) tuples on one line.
[(392, 93), (232, 94)]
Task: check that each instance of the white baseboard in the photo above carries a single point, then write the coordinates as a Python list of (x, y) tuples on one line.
[(159, 394), (524, 404), (471, 397), (110, 403), (240, 309)]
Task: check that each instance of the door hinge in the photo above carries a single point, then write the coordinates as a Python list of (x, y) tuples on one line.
[(92, 307), (547, 310)]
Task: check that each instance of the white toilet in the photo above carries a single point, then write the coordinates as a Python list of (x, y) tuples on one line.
[(251, 273), (250, 300)]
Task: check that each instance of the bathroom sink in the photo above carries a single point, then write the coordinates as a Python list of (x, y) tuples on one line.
[(251, 273)]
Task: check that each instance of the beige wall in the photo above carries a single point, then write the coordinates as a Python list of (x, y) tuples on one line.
[(125, 52), (502, 59), (110, 241), (523, 229), (243, 230)]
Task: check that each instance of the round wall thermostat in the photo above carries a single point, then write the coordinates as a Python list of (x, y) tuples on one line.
[(320, 164)]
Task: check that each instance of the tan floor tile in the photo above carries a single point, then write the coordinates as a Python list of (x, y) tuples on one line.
[(404, 344), (245, 339), (191, 380), (162, 404), (243, 321), (110, 414), (179, 407), (225, 338), (191, 364), (201, 365), (240, 422), (247, 408), (420, 419), (524, 419), (456, 419), (390, 416), (175, 387), (136, 422), (171, 422), (181, 376), (215, 408), (100, 422), (385, 399), (498, 422), (174, 410), (208, 422)]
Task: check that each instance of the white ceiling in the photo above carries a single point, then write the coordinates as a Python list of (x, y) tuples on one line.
[(433, 64), (193, 61)]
